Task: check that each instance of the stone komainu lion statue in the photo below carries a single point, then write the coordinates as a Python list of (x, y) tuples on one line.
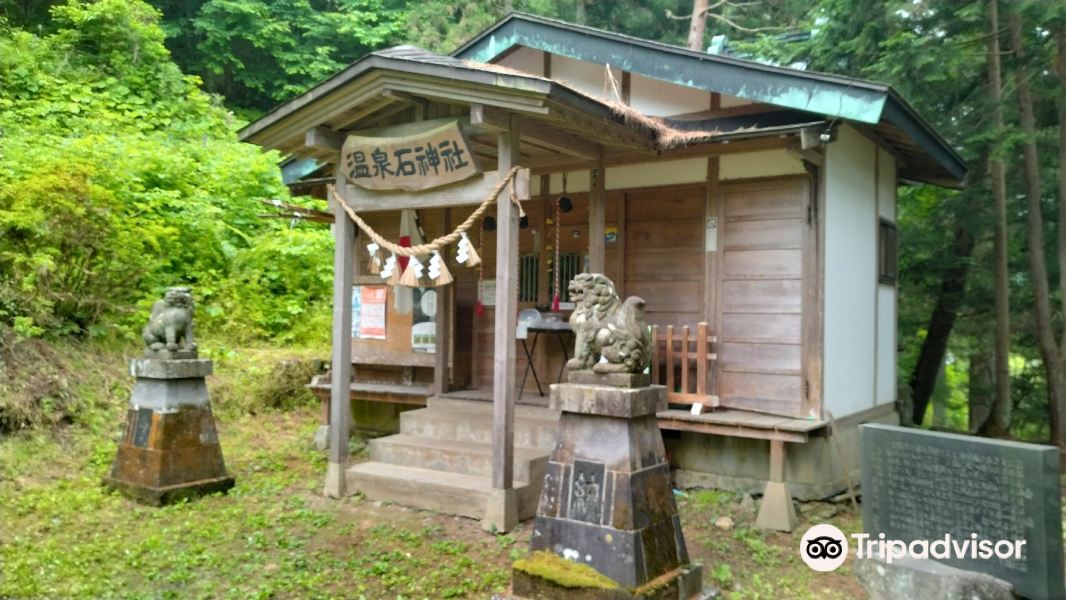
[(171, 321), (605, 326)]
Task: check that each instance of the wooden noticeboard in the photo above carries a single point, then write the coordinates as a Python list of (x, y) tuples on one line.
[(420, 161)]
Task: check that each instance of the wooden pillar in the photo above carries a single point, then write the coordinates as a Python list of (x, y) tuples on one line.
[(445, 293), (776, 510), (340, 407), (597, 216), (710, 245), (501, 513)]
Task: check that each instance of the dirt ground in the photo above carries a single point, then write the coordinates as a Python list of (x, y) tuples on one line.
[(275, 536)]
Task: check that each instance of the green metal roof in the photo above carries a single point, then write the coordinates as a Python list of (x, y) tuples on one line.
[(834, 96)]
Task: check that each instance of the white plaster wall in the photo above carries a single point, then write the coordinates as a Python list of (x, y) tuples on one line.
[(525, 59), (767, 163), (764, 163), (850, 317), (576, 181), (581, 75), (669, 172), (662, 99), (886, 294)]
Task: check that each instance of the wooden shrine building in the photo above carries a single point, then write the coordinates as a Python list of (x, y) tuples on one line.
[(757, 200)]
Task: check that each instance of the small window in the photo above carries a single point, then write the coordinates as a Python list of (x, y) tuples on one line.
[(570, 264), (528, 277), (887, 259)]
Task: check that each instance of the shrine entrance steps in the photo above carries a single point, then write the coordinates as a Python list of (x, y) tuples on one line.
[(442, 458)]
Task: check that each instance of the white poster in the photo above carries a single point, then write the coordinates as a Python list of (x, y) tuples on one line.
[(424, 321), (486, 292)]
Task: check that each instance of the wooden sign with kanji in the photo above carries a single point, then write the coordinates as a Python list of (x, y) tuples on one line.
[(421, 161)]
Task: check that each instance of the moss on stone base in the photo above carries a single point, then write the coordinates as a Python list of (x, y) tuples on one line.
[(569, 574)]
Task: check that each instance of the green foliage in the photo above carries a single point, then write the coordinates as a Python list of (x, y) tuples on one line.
[(120, 177), (258, 53)]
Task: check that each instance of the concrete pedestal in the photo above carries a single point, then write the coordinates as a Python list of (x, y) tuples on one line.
[(607, 500), (169, 449)]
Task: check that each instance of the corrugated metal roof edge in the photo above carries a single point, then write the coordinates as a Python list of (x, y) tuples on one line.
[(894, 108)]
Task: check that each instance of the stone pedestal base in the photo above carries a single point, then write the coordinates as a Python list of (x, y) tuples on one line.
[(680, 584), (169, 449), (607, 501), (927, 579)]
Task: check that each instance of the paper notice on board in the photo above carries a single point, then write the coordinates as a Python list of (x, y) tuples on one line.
[(373, 300), (424, 321), (486, 292)]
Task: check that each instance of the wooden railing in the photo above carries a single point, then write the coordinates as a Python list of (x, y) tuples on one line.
[(683, 364)]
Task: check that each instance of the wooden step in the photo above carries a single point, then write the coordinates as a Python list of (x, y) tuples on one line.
[(468, 458), (475, 425), (441, 491), (521, 410)]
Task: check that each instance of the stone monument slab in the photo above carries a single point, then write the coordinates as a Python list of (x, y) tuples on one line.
[(923, 485)]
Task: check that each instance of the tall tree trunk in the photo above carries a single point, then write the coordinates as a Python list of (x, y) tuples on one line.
[(981, 389), (1034, 222), (697, 25), (952, 286), (582, 16), (998, 422)]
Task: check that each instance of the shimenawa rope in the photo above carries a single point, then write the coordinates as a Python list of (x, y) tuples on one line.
[(442, 241)]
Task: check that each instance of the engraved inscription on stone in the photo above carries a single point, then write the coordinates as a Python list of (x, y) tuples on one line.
[(925, 485), (142, 428), (586, 491)]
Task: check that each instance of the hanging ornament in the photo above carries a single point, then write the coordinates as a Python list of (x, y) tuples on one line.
[(389, 267), (412, 273), (438, 270), (374, 266), (465, 253)]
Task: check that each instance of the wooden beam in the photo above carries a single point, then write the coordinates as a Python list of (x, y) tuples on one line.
[(563, 163), (471, 191), (627, 87), (597, 217), (732, 430), (815, 157), (535, 132), (501, 513), (442, 353), (324, 138), (341, 365)]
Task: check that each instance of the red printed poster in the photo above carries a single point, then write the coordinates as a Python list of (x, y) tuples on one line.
[(372, 312)]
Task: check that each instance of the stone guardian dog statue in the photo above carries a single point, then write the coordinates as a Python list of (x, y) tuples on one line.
[(171, 322), (605, 326)]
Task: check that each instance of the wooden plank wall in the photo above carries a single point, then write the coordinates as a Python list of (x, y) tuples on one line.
[(536, 238), (760, 305), (664, 253)]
